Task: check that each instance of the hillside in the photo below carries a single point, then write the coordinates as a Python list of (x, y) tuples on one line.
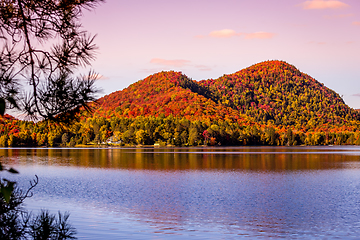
[(269, 103), (272, 92), (278, 92), (166, 93)]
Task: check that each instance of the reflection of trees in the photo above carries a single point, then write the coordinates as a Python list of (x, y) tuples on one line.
[(174, 159), (226, 192)]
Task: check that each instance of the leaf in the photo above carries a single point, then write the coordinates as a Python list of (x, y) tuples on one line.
[(2, 106), (11, 170)]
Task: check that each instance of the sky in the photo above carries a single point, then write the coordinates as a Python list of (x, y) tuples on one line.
[(209, 38)]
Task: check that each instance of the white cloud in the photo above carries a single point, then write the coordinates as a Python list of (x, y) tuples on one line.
[(323, 4), (228, 33), (259, 35), (224, 33)]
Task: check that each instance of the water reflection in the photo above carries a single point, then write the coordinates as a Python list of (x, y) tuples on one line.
[(197, 193), (256, 158)]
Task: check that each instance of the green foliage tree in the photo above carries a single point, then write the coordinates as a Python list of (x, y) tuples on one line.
[(72, 142), (64, 139), (140, 136)]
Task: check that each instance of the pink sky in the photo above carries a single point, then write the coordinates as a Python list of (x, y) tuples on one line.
[(208, 38)]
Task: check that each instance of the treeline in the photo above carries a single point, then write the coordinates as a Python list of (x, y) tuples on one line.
[(170, 130)]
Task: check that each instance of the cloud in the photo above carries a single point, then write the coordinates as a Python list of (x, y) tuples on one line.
[(259, 35), (356, 23), (323, 4), (356, 95), (225, 33), (228, 33), (171, 63)]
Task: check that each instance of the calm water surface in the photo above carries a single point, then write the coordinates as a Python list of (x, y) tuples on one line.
[(197, 193)]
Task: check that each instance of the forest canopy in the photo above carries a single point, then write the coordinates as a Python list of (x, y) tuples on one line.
[(270, 103)]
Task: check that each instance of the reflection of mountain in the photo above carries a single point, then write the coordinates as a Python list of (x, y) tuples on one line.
[(201, 203), (254, 159)]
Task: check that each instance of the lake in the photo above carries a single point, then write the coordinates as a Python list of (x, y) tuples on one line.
[(197, 193)]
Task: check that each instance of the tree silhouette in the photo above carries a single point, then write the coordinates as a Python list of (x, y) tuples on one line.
[(43, 44)]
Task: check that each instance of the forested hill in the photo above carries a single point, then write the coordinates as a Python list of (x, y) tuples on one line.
[(166, 93), (272, 93), (276, 91), (269, 103)]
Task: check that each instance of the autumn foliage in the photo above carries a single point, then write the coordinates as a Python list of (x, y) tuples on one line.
[(269, 103)]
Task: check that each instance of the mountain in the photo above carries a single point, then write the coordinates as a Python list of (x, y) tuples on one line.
[(269, 103), (166, 93), (276, 91), (268, 93)]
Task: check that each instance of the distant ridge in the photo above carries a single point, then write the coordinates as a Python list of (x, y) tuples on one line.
[(270, 92)]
